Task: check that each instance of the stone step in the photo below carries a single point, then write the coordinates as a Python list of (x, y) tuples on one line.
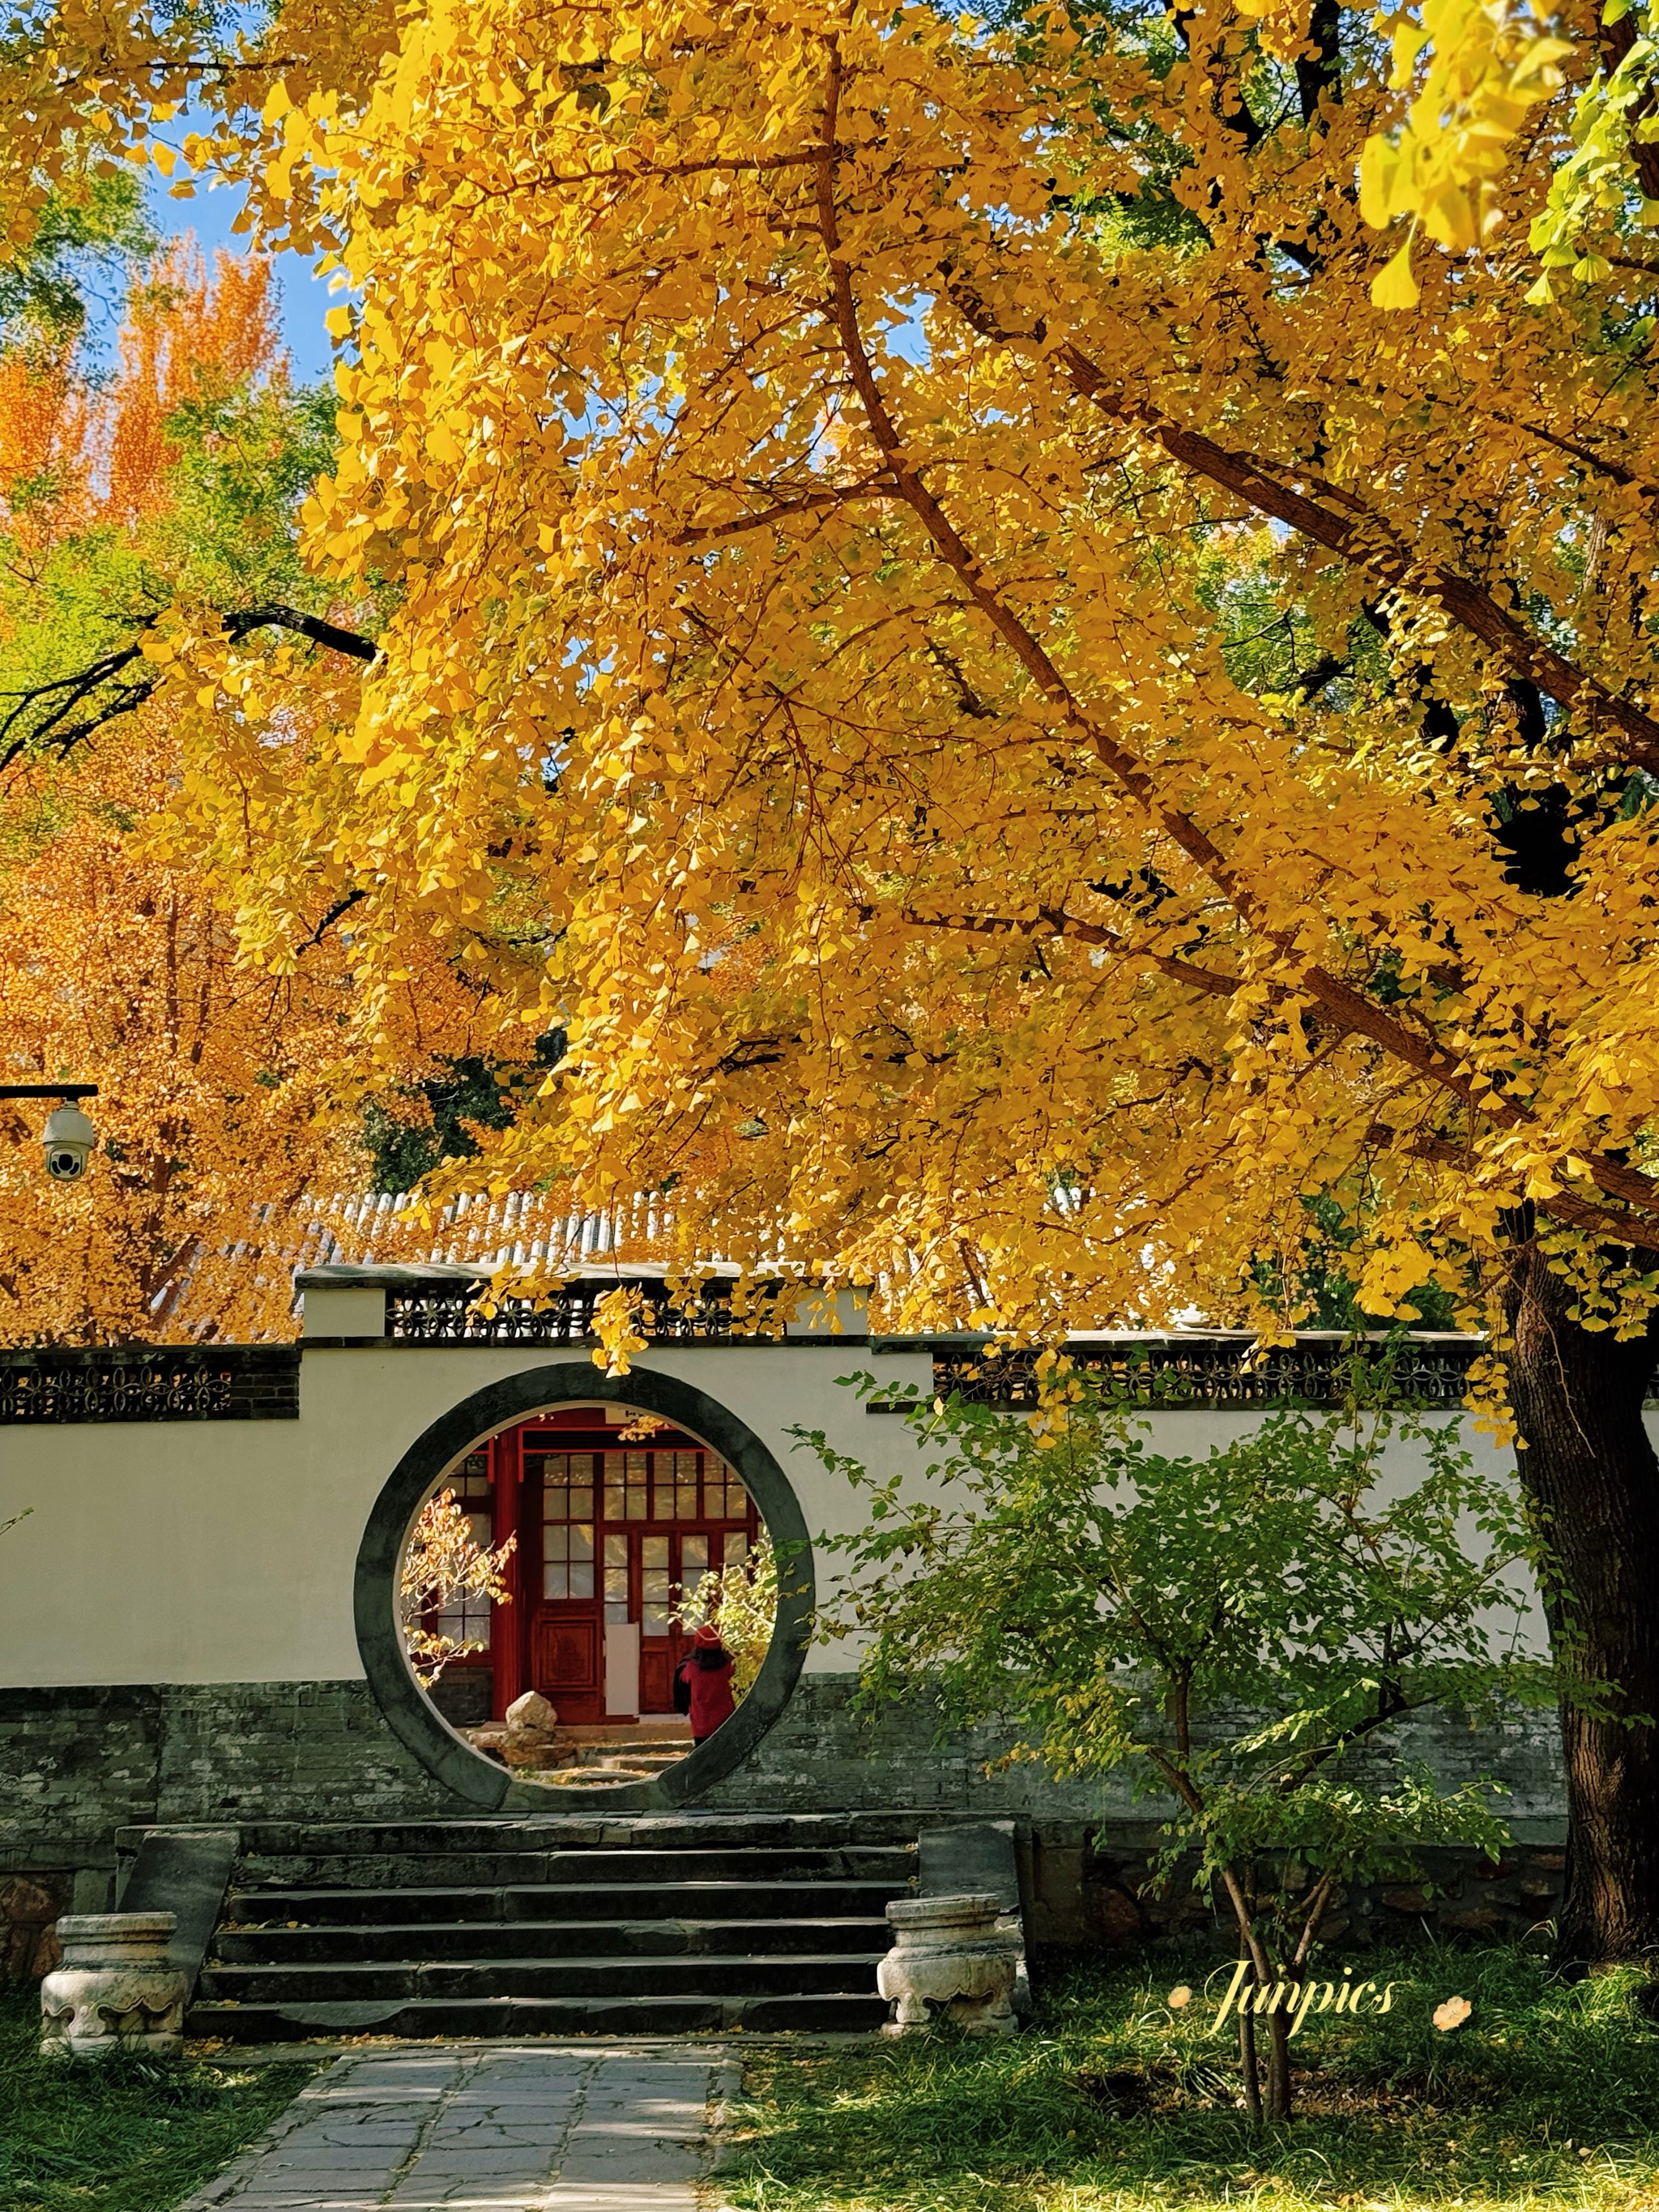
[(710, 1975), (800, 2012), (566, 1924), (426, 1867), (558, 1830), (526, 1940), (563, 1901)]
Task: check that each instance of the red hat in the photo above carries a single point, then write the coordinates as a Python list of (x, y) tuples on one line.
[(708, 1635)]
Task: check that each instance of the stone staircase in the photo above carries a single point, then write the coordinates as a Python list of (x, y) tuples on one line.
[(554, 1926)]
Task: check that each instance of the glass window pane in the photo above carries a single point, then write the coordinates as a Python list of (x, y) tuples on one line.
[(694, 1552), (635, 1507), (662, 1500), (568, 1486), (464, 1624), (581, 1579), (685, 1501), (615, 1508), (615, 1550), (616, 1588), (636, 1465), (653, 1552), (737, 1546), (556, 1579), (654, 1601), (582, 1540)]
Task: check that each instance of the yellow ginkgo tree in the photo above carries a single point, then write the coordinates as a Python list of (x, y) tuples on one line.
[(1482, 69), (1045, 751)]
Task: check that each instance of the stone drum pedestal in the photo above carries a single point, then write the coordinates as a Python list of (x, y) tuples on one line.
[(948, 1951), (115, 1989)]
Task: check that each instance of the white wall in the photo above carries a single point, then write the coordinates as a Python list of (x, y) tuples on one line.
[(224, 1550)]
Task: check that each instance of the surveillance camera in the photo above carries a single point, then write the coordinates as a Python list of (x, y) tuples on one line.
[(70, 1140)]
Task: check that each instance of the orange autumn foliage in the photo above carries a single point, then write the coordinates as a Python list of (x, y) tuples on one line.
[(73, 455), (186, 339), (226, 1112), (215, 1116), (45, 428)]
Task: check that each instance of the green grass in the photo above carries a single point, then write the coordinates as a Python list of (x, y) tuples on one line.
[(1547, 2095), (132, 2136)]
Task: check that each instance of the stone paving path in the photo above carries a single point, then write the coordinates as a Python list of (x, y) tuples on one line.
[(488, 2128)]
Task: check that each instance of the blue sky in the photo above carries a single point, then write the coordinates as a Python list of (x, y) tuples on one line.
[(303, 298)]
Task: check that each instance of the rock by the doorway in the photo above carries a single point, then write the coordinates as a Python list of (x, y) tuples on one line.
[(531, 1715)]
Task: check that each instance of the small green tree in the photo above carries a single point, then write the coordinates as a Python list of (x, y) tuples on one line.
[(1241, 1634), (742, 1599)]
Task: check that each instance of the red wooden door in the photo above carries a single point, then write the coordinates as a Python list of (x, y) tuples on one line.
[(565, 1623), (612, 1531)]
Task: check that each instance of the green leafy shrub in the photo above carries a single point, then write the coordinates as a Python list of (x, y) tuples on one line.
[(1241, 1634)]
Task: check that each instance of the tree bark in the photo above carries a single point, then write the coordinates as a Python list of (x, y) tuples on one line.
[(1588, 1468)]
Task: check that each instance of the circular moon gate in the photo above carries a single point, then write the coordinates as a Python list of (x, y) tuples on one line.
[(413, 1719)]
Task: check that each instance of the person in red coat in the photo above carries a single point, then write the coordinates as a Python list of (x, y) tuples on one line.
[(706, 1671)]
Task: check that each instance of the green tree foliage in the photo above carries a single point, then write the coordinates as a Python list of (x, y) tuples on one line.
[(89, 233), (1239, 1635), (742, 1601), (412, 1131)]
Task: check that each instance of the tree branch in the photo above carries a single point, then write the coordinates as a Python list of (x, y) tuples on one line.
[(1350, 1008), (1055, 922), (341, 906), (43, 713), (1364, 539), (1358, 535), (712, 534), (1571, 1213)]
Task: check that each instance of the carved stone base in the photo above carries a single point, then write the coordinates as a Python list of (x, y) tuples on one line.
[(948, 1953), (115, 1989)]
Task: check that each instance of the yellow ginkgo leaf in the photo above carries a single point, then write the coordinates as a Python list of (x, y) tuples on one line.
[(1393, 285)]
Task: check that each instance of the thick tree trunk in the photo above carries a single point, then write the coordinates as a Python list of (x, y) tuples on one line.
[(1591, 1470)]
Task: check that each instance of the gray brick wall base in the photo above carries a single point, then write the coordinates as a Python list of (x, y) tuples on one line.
[(77, 1764)]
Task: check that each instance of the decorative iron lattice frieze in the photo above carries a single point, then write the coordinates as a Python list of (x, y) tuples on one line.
[(152, 1382), (451, 1316), (1222, 1371)]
